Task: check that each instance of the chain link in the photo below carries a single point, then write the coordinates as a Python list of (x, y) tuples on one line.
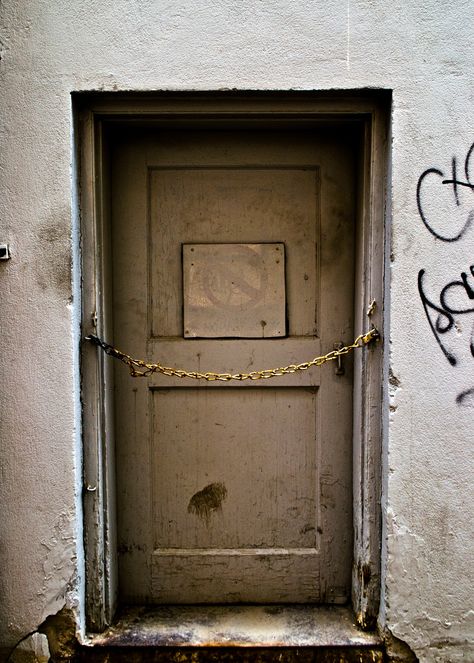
[(139, 368)]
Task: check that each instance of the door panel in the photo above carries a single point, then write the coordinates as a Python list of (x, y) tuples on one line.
[(232, 205), (233, 492), (258, 506), (264, 478)]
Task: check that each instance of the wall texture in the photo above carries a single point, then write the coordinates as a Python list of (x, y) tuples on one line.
[(424, 52)]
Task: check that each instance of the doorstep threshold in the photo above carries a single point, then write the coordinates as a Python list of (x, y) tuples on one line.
[(235, 626)]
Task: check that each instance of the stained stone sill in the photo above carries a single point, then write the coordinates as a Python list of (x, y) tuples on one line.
[(235, 626)]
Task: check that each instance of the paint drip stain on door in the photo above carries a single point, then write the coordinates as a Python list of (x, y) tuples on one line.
[(207, 501)]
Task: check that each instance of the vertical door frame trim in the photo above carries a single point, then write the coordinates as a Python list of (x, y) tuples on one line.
[(93, 112)]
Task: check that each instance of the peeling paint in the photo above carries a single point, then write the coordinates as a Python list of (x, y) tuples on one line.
[(393, 380), (59, 566), (426, 635), (397, 650), (60, 629)]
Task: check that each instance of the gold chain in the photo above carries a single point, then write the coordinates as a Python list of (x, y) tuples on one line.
[(139, 368)]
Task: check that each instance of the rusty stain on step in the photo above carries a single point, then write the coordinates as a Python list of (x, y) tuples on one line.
[(274, 626)]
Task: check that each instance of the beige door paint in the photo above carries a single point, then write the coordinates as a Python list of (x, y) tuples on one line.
[(233, 492)]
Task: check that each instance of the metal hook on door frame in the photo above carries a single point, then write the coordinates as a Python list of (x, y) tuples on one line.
[(340, 370)]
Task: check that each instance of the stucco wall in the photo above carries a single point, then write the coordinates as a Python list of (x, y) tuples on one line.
[(424, 52)]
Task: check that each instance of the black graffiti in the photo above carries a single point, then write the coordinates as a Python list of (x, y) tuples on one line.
[(466, 398), (471, 343), (444, 321), (441, 316), (456, 298), (456, 182), (450, 287)]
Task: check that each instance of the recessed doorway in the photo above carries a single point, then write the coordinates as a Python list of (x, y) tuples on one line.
[(229, 492)]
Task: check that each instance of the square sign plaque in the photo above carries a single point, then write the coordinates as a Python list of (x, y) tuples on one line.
[(234, 290)]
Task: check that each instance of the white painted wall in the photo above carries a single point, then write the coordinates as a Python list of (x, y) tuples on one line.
[(423, 51)]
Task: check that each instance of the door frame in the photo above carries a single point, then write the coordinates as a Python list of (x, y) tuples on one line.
[(94, 112)]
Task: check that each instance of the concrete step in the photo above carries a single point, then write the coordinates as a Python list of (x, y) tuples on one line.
[(195, 634)]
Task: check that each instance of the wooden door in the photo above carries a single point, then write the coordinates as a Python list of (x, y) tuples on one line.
[(233, 492)]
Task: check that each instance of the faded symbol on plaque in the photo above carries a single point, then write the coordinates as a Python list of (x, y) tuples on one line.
[(234, 277), (234, 290)]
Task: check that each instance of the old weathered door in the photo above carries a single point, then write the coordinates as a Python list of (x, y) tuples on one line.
[(233, 492)]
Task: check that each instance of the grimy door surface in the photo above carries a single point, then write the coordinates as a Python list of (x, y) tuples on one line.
[(233, 492)]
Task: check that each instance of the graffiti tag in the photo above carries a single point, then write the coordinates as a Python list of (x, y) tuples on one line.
[(429, 208), (448, 221)]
